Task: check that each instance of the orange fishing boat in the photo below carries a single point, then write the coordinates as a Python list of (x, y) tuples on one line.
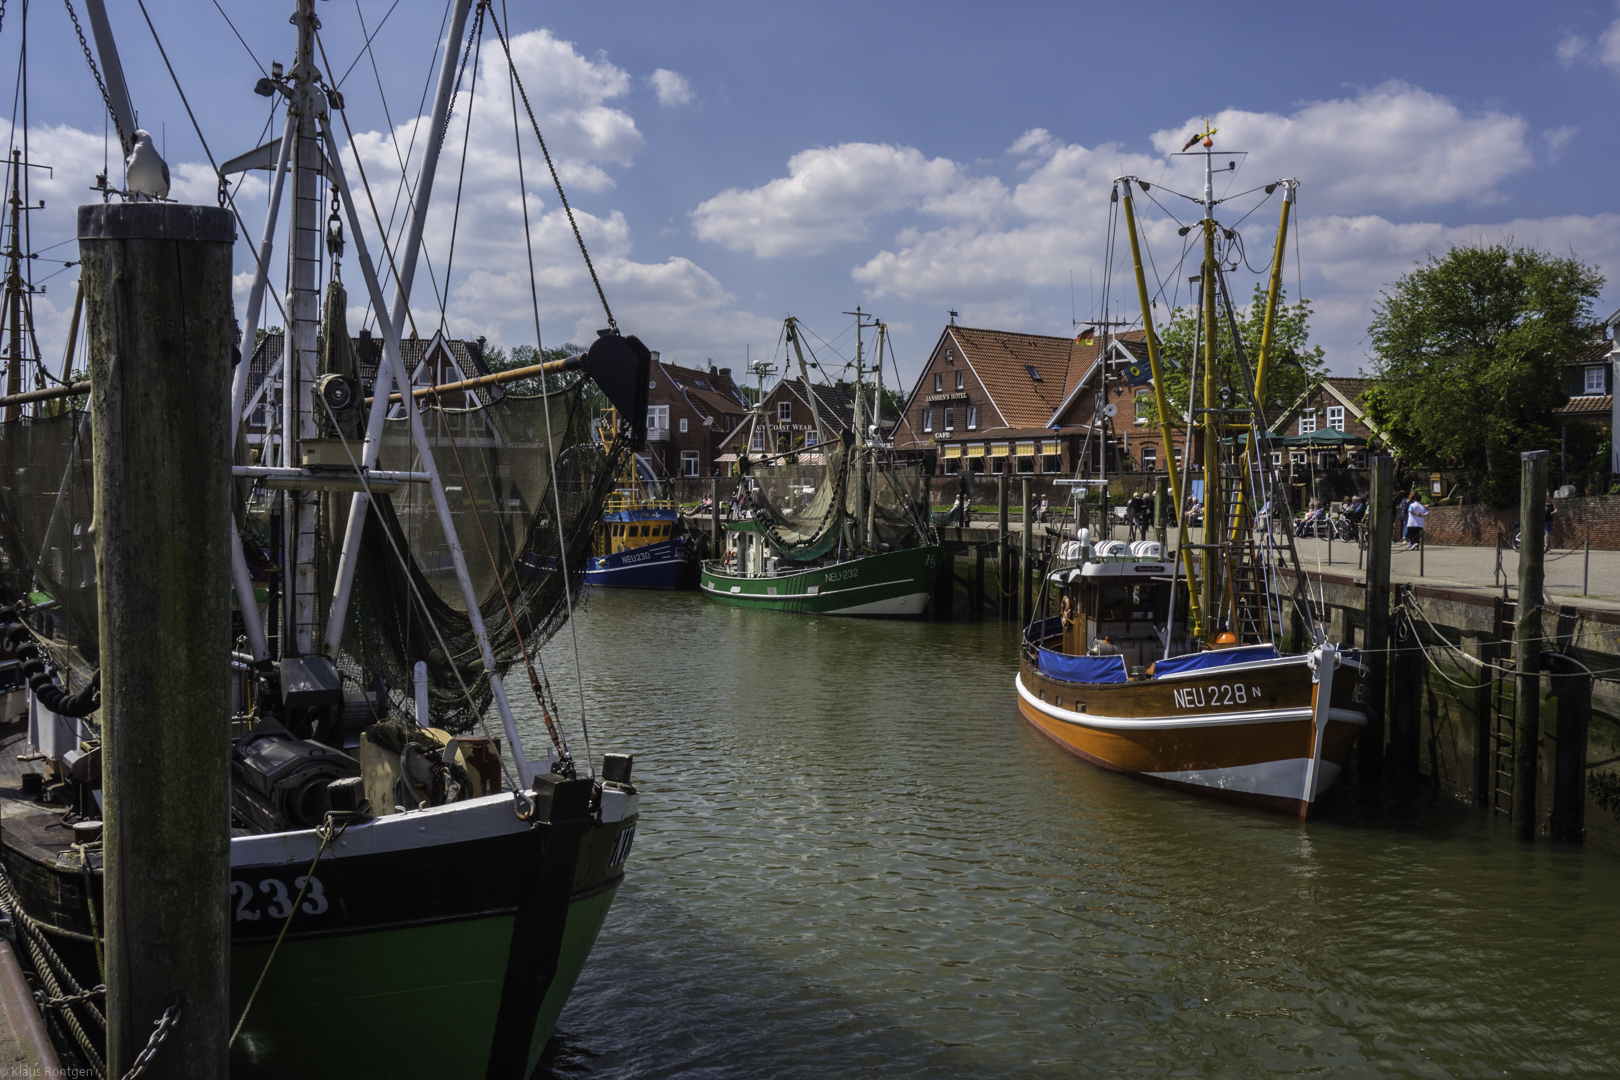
[(1178, 670)]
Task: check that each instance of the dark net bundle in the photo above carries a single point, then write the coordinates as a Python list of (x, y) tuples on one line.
[(800, 508), (47, 506), (495, 464), (900, 505)]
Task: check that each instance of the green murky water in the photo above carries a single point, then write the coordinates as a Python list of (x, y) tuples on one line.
[(855, 859)]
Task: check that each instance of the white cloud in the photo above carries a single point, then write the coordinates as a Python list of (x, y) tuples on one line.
[(1394, 146), (671, 87), (1557, 139), (831, 193), (1570, 48)]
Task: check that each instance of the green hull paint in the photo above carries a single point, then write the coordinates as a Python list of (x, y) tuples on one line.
[(420, 1001), (894, 583)]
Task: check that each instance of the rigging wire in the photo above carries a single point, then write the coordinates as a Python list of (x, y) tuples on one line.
[(545, 396), (511, 67), (366, 47), (477, 36), (239, 37)]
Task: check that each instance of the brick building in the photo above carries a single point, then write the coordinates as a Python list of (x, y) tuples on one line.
[(690, 412), (787, 423), (998, 401)]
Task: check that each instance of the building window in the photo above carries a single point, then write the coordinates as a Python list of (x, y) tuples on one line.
[(1150, 459), (689, 463), (811, 438), (1276, 458), (1051, 463), (928, 419), (1358, 459), (1178, 457), (758, 441), (658, 421), (973, 417), (1144, 407), (939, 381), (959, 380), (950, 356), (950, 418), (1296, 457), (784, 412), (1307, 424), (1034, 375), (1336, 417), (1026, 464), (683, 427), (1594, 380)]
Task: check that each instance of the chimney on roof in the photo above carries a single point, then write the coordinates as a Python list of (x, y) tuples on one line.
[(654, 356), (712, 368)]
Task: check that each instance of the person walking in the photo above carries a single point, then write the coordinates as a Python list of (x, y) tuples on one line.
[(1133, 514), (1548, 513), (1415, 513)]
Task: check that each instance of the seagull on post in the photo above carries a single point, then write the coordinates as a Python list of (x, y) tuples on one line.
[(146, 172)]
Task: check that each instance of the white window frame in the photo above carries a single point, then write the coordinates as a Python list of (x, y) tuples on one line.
[(657, 420), (1335, 417), (950, 418), (683, 428), (691, 462), (939, 382), (1296, 457), (928, 419), (784, 412), (1276, 458), (959, 380), (1142, 403), (1307, 425), (1594, 380), (757, 441), (1150, 459), (810, 438), (973, 418)]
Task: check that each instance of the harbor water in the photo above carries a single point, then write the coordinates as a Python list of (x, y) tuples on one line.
[(855, 859)]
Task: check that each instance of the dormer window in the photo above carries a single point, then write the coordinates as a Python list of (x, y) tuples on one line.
[(1034, 374), (1594, 380)]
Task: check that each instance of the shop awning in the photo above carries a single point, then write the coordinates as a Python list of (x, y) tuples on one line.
[(1026, 449), (1000, 449), (976, 450), (953, 451)]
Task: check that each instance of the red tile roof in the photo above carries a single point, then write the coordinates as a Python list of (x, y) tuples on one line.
[(1593, 403), (1002, 358)]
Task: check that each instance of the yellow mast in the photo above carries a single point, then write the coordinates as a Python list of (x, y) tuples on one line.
[(1159, 400), (1212, 419), (1261, 365)]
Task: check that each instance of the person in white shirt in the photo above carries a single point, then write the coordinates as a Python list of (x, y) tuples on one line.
[(1415, 513)]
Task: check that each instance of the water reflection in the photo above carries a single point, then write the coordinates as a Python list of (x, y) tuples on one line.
[(856, 859)]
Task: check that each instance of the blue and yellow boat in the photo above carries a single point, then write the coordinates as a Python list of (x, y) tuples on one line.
[(641, 542)]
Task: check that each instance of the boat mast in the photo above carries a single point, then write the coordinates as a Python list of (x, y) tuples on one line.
[(303, 324), (1212, 428), (804, 380), (877, 426), (1159, 400), (14, 289)]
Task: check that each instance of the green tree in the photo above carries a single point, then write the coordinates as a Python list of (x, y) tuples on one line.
[(1467, 348), (1294, 361)]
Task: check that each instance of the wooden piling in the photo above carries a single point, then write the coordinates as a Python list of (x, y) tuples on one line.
[(1405, 697), (1026, 548), (1573, 686), (1003, 593), (978, 581), (717, 550), (1489, 652), (160, 329), (1527, 642), (1376, 612)]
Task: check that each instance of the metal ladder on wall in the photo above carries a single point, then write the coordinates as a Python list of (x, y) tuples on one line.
[(1256, 609), (1504, 716)]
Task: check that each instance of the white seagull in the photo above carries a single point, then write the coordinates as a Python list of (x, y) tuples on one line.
[(146, 171)]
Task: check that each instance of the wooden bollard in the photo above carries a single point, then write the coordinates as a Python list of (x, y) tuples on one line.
[(1026, 549), (1376, 612), (1527, 642), (1161, 511), (160, 330)]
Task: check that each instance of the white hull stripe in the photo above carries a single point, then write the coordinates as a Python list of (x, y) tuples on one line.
[(802, 595), (912, 604), (1283, 779), (1160, 723)]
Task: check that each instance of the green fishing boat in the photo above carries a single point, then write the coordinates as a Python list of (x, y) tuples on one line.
[(841, 530)]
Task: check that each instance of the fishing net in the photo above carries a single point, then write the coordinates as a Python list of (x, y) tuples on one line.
[(46, 509), (494, 462), (799, 508)]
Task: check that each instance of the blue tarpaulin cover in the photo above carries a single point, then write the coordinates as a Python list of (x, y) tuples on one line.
[(1091, 669), (1214, 659)]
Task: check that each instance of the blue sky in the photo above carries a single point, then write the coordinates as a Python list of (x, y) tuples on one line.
[(735, 163)]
